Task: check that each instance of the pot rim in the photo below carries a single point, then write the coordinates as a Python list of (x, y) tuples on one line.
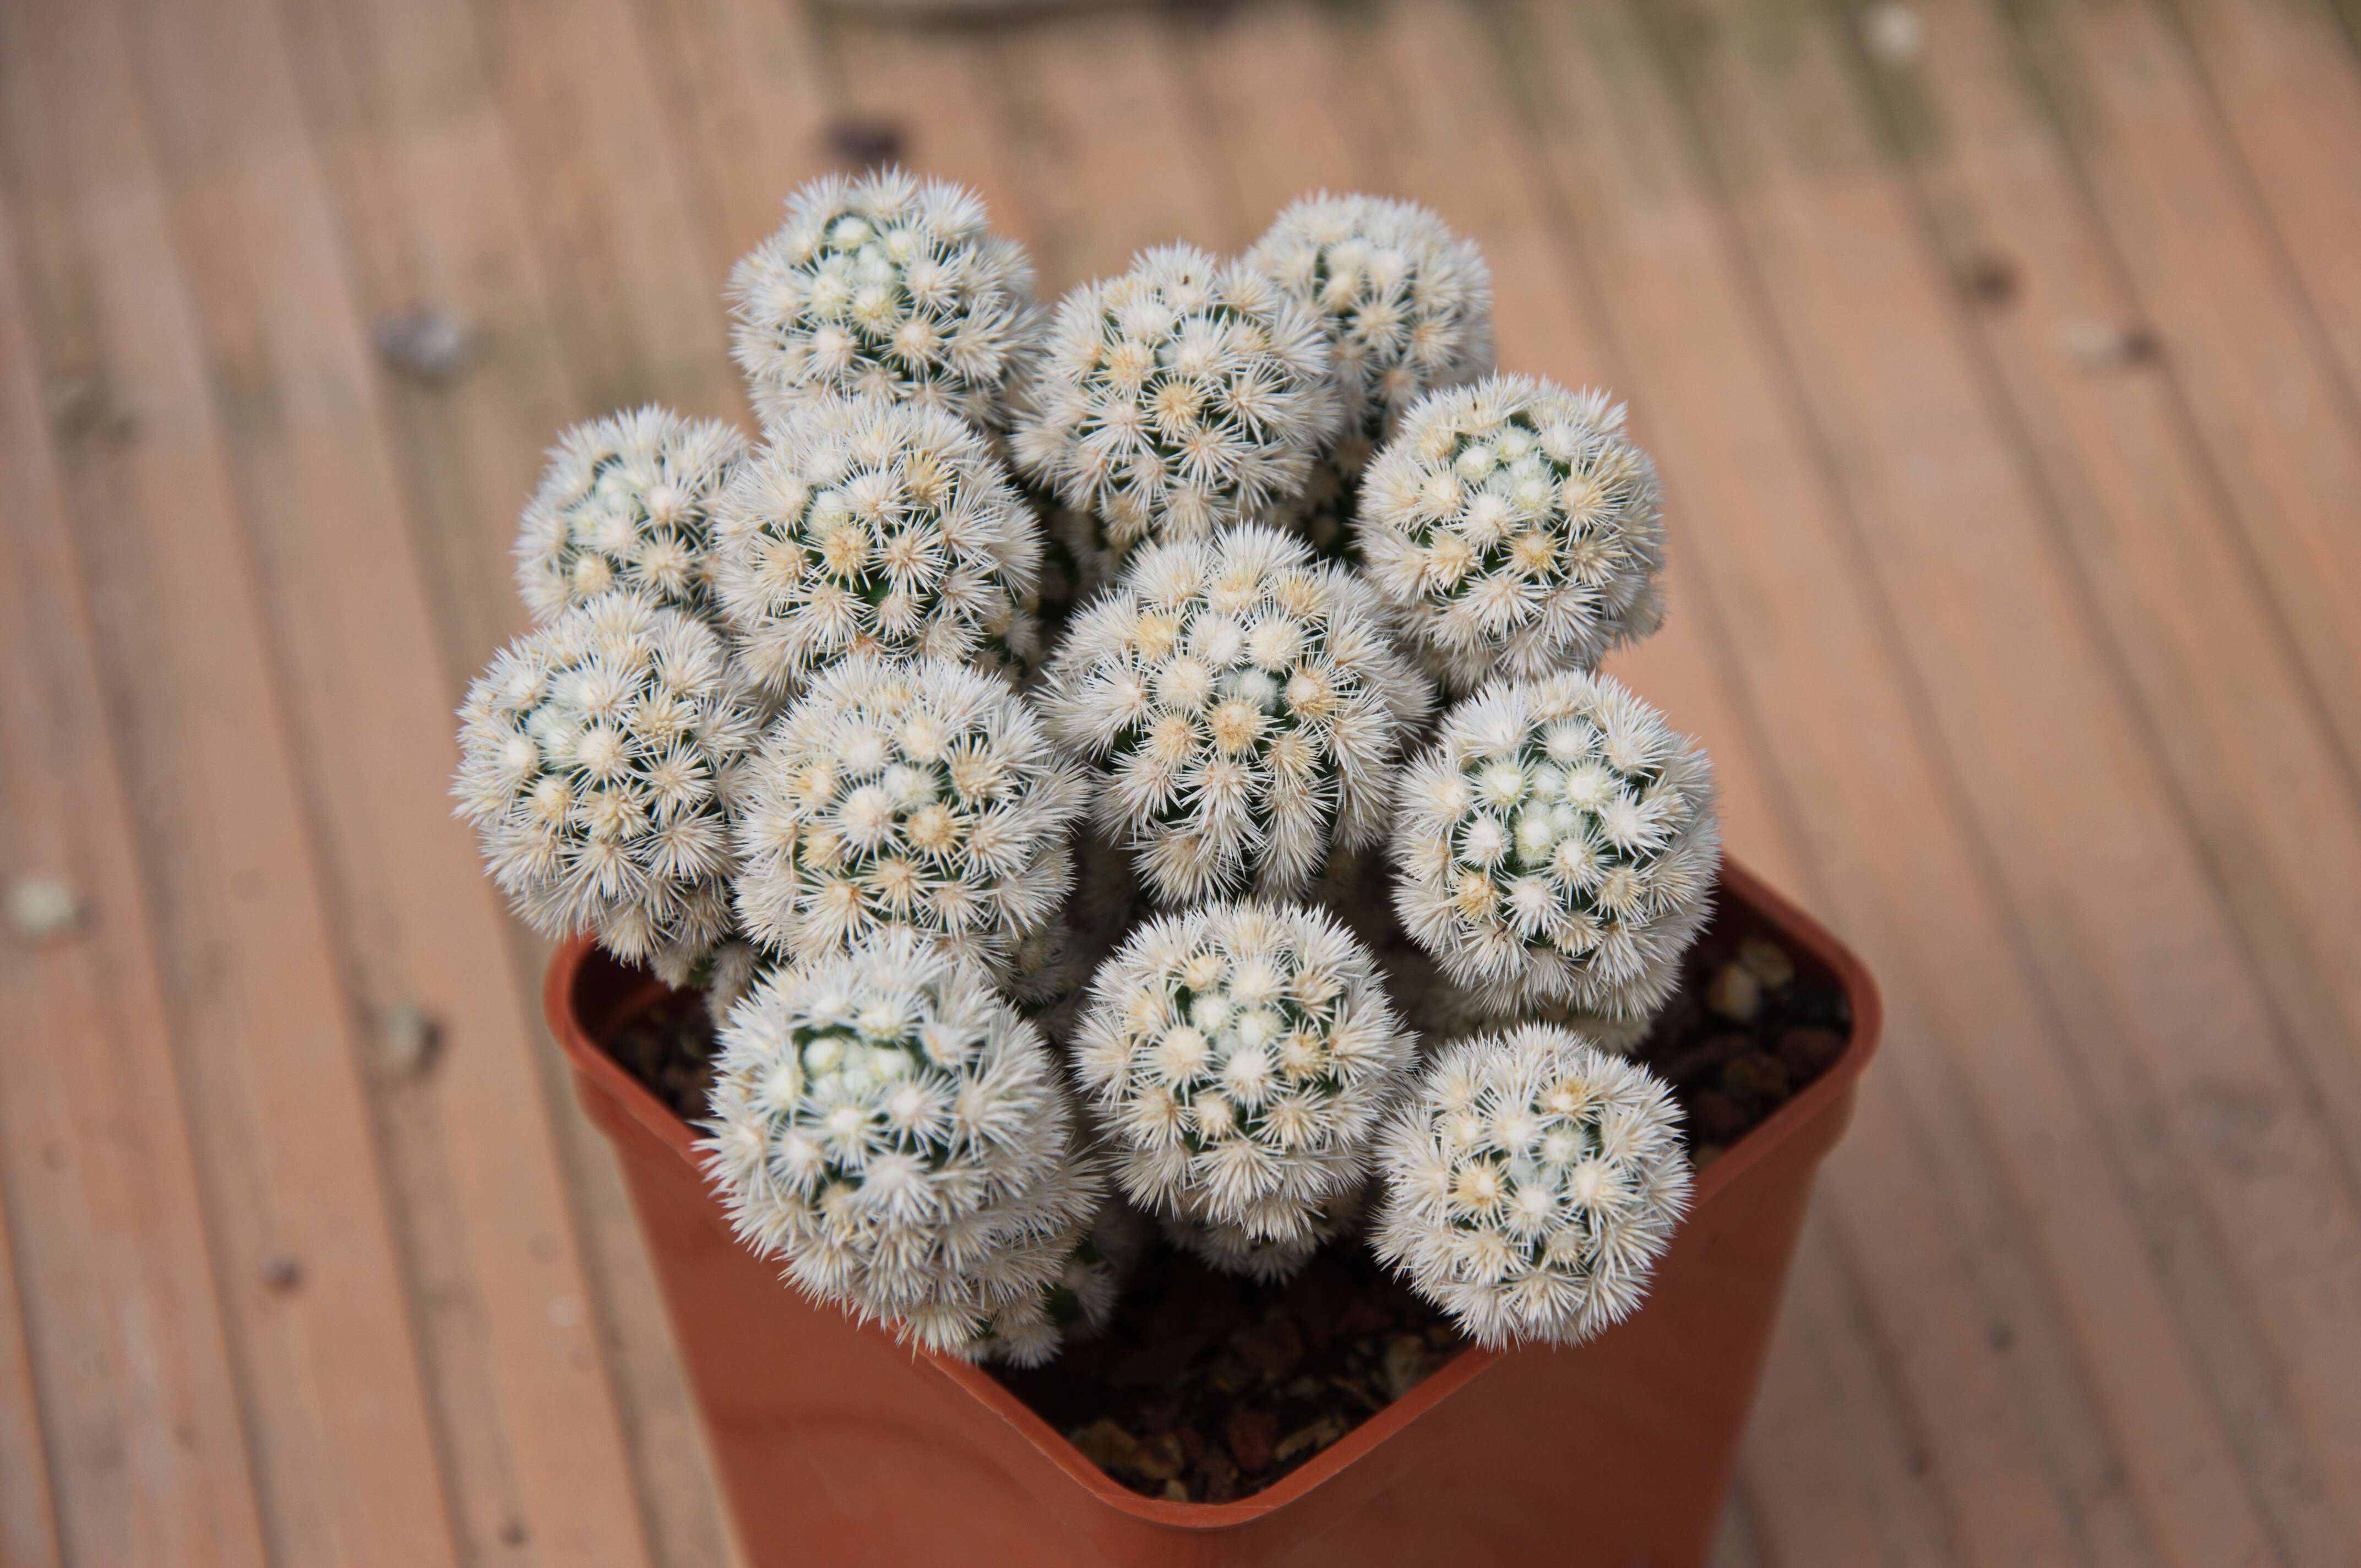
[(1793, 923)]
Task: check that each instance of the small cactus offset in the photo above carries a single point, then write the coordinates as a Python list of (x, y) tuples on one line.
[(625, 503), (1531, 1185), (889, 1126), (596, 758), (1407, 308), (786, 732), (1557, 844), (1243, 705), (1515, 531), (888, 286), (1187, 395), (921, 796), (873, 527), (1236, 1059)]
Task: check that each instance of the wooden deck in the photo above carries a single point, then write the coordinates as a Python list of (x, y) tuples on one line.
[(2004, 362)]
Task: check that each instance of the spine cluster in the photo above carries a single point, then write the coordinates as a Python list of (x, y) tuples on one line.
[(1515, 531), (1244, 707), (1531, 1186), (596, 754), (1557, 843)]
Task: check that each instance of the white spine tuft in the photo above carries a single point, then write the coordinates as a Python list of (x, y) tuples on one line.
[(1532, 1187), (892, 1129), (922, 796), (1187, 395), (865, 526), (1514, 529), (1557, 843), (593, 755), (888, 286), (1246, 706)]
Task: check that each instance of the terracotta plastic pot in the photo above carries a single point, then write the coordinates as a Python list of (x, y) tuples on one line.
[(838, 1446)]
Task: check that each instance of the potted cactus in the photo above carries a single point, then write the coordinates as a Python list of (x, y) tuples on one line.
[(1129, 954)]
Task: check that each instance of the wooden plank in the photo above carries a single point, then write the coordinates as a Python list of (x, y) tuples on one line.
[(1097, 110), (2126, 933), (2283, 76), (347, 1468), (28, 1525), (2154, 536), (426, 184), (1665, 260), (1287, 111), (2279, 426), (625, 242), (425, 929)]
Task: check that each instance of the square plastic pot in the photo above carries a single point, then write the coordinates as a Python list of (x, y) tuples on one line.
[(837, 1445)]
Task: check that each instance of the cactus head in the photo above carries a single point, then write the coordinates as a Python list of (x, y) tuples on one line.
[(897, 1133), (594, 754), (1557, 843), (1514, 529), (624, 503), (864, 526), (1531, 1185), (1236, 1059), (885, 285), (921, 795), (1186, 396), (1245, 705)]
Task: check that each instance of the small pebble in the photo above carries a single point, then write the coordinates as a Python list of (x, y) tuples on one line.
[(1719, 1117), (427, 345), (409, 1037), (42, 908), (1312, 1438), (1768, 962), (1807, 1053), (1252, 1435), (1735, 994), (2104, 344), (1755, 1077), (1894, 33)]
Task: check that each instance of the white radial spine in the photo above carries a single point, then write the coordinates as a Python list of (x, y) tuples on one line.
[(625, 503)]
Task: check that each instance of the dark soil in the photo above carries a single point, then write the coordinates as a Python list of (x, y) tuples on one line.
[(1206, 1386)]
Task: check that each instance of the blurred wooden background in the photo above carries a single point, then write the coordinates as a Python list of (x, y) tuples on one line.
[(2002, 359)]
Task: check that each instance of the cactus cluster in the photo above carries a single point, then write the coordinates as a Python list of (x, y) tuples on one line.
[(787, 732)]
